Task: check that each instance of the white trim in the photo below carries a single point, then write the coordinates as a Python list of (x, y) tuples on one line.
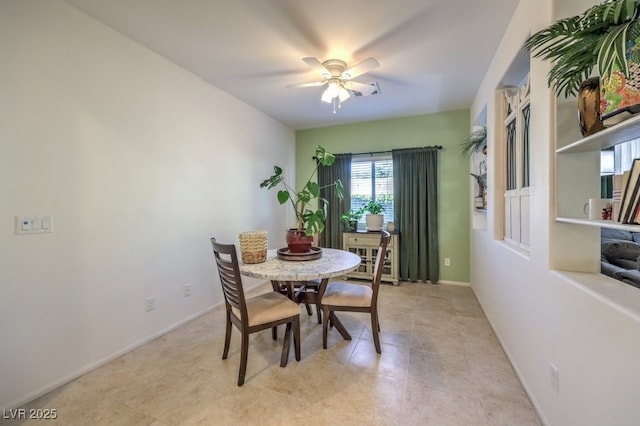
[(456, 283), (516, 221), (527, 389), (102, 361)]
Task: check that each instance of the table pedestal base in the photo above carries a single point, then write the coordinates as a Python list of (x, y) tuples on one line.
[(299, 293)]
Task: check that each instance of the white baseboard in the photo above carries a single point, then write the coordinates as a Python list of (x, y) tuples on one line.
[(100, 362), (458, 283), (525, 385)]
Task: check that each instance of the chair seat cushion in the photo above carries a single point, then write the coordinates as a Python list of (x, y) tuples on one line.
[(268, 307), (344, 294)]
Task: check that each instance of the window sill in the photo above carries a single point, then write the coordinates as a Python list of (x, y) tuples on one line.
[(623, 297), (515, 249)]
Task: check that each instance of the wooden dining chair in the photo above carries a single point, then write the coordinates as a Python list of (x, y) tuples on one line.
[(341, 296), (306, 292), (250, 315)]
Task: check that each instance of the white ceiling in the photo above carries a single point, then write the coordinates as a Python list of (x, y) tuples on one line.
[(433, 54)]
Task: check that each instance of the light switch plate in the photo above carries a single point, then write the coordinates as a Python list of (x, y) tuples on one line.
[(33, 224)]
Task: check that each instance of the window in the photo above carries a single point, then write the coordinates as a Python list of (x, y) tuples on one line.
[(616, 161), (624, 154), (517, 113), (372, 178)]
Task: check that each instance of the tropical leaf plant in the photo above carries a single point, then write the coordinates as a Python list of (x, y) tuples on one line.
[(312, 221), (599, 36), (474, 142)]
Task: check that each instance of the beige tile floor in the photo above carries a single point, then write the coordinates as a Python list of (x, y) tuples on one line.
[(441, 364)]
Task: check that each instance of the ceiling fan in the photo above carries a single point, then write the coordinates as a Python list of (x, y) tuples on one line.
[(338, 79)]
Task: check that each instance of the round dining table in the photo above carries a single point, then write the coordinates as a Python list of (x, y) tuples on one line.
[(291, 275), (331, 263)]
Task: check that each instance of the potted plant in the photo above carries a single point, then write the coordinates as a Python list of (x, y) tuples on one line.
[(352, 218), (309, 221), (606, 35), (474, 142), (374, 219)]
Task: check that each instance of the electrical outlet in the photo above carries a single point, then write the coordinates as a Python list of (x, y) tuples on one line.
[(555, 378), (447, 261), (186, 291), (149, 304)]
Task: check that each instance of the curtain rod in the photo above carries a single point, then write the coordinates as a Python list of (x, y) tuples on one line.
[(439, 147)]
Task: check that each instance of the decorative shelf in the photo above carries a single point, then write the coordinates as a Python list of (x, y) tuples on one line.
[(611, 136), (599, 223)]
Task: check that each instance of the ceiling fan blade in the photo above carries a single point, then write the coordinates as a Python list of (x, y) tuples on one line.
[(360, 68), (364, 89), (312, 84), (317, 66)]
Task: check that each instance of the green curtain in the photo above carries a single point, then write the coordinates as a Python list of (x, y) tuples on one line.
[(606, 186), (415, 193), (340, 169)]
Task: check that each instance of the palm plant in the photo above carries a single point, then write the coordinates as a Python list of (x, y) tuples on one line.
[(474, 142), (599, 36)]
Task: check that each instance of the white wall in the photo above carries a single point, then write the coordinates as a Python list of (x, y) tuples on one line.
[(541, 316), (140, 163)]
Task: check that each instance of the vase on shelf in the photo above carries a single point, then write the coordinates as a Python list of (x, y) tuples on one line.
[(589, 106)]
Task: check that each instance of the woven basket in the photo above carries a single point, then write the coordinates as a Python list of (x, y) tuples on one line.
[(253, 246)]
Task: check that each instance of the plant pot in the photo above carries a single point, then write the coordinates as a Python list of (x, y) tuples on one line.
[(620, 94), (374, 222), (352, 225), (298, 241)]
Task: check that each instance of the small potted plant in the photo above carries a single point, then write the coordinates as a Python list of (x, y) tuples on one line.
[(374, 218), (309, 221), (352, 218)]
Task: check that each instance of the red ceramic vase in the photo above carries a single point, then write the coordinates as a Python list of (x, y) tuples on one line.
[(298, 241)]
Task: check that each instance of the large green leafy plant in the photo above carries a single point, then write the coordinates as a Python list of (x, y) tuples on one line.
[(599, 36), (312, 221)]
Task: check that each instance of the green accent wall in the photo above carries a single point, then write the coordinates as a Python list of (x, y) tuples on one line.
[(448, 129)]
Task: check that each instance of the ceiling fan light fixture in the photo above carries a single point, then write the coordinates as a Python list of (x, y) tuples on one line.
[(333, 90), (343, 94), (338, 77), (326, 97)]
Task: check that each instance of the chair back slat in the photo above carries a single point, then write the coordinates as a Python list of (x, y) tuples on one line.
[(379, 265), (229, 271)]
